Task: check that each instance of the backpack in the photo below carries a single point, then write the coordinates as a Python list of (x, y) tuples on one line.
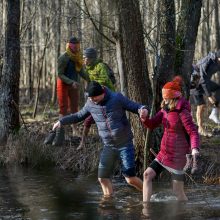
[(111, 74), (206, 61), (201, 66)]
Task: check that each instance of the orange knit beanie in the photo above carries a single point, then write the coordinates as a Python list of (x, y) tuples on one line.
[(173, 89)]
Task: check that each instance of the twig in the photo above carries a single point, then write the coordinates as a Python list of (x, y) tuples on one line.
[(153, 152), (17, 108)]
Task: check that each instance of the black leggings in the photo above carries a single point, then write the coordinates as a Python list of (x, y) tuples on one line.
[(158, 169)]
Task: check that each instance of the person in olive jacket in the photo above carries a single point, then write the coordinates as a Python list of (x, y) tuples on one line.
[(97, 71)]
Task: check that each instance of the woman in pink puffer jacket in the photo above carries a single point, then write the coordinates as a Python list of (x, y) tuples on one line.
[(175, 116)]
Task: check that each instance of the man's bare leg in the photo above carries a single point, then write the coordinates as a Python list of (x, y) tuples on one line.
[(136, 182), (199, 118), (106, 185)]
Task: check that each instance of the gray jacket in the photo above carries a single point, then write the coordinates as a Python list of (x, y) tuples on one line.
[(206, 67), (110, 117)]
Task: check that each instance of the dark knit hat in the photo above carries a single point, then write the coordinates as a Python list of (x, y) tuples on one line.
[(73, 40), (94, 89), (90, 52)]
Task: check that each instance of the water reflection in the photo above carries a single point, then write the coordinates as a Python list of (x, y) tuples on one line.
[(162, 210), (57, 195)]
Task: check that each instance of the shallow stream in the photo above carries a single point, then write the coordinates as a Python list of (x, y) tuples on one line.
[(26, 194)]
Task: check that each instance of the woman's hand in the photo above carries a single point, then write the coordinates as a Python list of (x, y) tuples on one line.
[(143, 113), (56, 125)]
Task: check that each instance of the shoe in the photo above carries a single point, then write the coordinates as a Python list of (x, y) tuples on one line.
[(214, 116), (205, 133), (49, 139), (188, 165), (60, 137), (195, 164)]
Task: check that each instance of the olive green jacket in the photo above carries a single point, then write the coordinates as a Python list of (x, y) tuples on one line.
[(98, 71), (67, 71)]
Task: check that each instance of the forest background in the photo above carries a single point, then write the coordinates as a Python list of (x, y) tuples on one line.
[(146, 43)]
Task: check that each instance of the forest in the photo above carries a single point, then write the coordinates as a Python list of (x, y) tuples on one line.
[(146, 43)]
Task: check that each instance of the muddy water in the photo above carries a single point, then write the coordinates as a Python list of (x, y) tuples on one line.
[(26, 194)]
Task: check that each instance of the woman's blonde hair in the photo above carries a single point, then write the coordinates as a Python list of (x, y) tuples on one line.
[(171, 105)]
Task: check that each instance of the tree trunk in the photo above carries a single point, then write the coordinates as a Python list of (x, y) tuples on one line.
[(166, 48), (57, 51), (130, 40), (40, 76), (208, 28), (186, 39), (30, 80), (9, 89), (217, 33), (217, 25)]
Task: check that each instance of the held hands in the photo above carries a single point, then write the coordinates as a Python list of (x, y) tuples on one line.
[(143, 113), (56, 125)]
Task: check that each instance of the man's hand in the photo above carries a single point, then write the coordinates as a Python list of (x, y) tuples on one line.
[(212, 100), (75, 85), (56, 125), (143, 113)]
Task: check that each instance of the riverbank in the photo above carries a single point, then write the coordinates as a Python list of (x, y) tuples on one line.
[(26, 148)]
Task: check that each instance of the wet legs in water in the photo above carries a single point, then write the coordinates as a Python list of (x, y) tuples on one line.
[(149, 174), (107, 187), (135, 182), (178, 189)]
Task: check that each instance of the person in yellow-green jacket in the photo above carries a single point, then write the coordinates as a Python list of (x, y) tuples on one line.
[(97, 71)]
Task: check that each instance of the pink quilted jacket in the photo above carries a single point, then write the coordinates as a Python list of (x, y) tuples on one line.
[(174, 144)]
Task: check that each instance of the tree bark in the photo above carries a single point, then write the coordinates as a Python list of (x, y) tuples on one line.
[(30, 80), (186, 38), (166, 48), (9, 89), (217, 25), (130, 41)]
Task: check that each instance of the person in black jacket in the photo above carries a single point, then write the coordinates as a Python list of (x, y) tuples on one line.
[(203, 85)]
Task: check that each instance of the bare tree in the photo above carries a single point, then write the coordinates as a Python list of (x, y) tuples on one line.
[(132, 58), (9, 90), (166, 47), (186, 38), (217, 24)]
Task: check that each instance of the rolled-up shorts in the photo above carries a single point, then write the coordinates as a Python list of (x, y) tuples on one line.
[(158, 169), (110, 155), (197, 94)]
